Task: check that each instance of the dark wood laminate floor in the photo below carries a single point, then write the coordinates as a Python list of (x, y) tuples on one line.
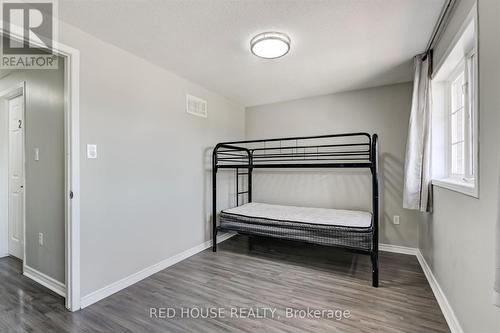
[(275, 275)]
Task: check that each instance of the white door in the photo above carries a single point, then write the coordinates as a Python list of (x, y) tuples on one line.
[(16, 176)]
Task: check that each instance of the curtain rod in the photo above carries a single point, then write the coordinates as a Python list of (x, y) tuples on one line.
[(441, 23)]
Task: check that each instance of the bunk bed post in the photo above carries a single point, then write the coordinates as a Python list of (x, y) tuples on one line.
[(237, 187), (214, 199), (374, 253), (250, 170)]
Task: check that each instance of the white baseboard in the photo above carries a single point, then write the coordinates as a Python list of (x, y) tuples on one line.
[(45, 280), (102, 293), (3, 255), (445, 306), (398, 249), (146, 272)]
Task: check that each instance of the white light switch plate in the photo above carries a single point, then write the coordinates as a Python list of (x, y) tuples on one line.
[(91, 151)]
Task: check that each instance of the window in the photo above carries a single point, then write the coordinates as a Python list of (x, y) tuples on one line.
[(461, 121), (454, 116)]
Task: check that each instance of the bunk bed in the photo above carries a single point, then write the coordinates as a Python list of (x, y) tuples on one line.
[(356, 231)]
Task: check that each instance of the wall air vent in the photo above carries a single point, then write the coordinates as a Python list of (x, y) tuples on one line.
[(196, 106)]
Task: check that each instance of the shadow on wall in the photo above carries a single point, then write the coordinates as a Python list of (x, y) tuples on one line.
[(323, 188), (391, 175), (426, 237), (342, 189)]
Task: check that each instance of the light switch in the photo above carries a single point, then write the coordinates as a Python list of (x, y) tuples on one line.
[(91, 151), (37, 154)]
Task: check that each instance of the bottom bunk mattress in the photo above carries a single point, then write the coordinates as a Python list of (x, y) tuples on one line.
[(334, 227)]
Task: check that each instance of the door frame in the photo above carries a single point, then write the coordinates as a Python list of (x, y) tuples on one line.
[(72, 163), (16, 90)]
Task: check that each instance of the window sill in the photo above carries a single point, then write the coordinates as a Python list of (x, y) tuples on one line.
[(457, 186)]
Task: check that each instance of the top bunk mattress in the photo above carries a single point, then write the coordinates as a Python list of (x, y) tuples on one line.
[(314, 216)]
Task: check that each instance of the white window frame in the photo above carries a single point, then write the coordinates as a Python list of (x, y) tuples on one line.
[(469, 111), (466, 185)]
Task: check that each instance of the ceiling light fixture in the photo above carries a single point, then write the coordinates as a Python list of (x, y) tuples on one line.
[(270, 45)]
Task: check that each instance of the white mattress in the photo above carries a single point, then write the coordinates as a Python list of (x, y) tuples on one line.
[(324, 216)]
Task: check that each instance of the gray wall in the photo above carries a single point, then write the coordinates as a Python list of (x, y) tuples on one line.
[(147, 196), (44, 178), (457, 240), (383, 110)]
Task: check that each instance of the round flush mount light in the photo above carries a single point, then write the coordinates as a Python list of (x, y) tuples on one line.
[(270, 45)]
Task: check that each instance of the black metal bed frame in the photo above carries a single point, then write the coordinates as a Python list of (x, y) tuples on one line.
[(349, 150)]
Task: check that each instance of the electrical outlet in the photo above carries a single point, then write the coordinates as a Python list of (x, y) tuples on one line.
[(40, 238), (395, 219)]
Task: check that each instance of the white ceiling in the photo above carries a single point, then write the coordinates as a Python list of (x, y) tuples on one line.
[(337, 45)]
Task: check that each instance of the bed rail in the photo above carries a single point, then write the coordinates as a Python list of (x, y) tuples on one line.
[(348, 150)]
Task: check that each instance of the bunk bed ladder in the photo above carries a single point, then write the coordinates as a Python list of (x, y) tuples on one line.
[(215, 167), (238, 192), (248, 191)]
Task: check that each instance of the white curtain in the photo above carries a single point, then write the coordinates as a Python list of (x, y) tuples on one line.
[(417, 192)]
